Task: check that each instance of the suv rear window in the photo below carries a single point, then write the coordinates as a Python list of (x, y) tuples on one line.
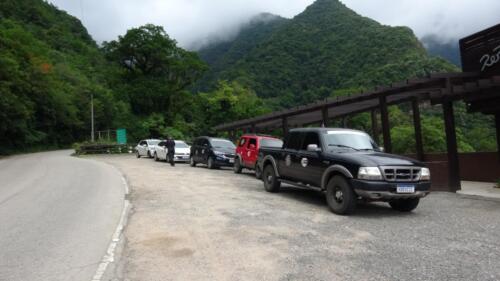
[(271, 143), (242, 142), (252, 141)]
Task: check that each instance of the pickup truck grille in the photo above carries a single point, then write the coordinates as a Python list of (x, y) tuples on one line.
[(402, 174)]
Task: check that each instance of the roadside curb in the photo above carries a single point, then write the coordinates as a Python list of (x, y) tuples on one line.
[(109, 256)]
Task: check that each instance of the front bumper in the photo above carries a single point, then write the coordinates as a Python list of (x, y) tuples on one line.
[(224, 161), (386, 191)]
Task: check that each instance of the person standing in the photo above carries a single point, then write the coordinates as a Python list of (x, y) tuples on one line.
[(171, 151)]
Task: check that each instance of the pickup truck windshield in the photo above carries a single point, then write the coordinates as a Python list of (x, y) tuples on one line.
[(222, 144), (352, 140)]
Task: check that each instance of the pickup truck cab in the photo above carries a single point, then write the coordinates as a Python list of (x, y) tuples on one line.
[(247, 149), (347, 165)]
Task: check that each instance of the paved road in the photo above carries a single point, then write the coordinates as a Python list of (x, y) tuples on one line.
[(199, 224), (57, 216)]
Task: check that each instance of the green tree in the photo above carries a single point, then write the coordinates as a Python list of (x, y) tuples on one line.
[(230, 101), (155, 70)]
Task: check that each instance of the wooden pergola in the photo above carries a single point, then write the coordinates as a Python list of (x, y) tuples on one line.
[(480, 94), (478, 86)]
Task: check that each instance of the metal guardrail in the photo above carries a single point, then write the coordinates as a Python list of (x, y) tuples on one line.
[(102, 149)]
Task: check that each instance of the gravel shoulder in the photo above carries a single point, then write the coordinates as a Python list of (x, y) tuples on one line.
[(199, 224)]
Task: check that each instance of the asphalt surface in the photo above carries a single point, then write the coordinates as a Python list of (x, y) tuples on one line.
[(199, 224), (57, 216)]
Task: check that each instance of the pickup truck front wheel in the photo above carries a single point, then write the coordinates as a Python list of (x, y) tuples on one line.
[(210, 163), (271, 182), (405, 205), (340, 196)]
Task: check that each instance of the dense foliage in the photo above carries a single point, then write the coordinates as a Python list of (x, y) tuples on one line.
[(49, 66)]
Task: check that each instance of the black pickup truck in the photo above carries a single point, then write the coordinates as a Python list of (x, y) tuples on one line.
[(348, 166)]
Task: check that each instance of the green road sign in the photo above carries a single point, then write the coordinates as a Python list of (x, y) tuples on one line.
[(121, 136)]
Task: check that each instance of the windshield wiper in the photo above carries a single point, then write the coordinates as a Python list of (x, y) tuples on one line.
[(341, 145)]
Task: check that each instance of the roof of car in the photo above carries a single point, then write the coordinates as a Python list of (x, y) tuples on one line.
[(318, 129), (258, 136)]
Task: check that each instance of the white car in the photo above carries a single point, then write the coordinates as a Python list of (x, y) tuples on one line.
[(146, 148), (181, 151)]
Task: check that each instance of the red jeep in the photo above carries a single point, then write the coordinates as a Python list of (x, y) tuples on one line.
[(247, 150)]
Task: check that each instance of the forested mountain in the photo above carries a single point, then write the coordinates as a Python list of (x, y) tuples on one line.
[(447, 50), (325, 48), (49, 66), (222, 55)]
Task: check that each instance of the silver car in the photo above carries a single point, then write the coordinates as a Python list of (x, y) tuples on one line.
[(146, 148), (181, 151)]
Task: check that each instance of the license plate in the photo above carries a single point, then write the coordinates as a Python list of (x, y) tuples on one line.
[(405, 188), (231, 160)]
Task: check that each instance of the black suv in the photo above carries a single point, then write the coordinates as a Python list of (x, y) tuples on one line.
[(214, 152), (347, 165)]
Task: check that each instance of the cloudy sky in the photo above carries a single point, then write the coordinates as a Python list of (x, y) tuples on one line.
[(191, 21)]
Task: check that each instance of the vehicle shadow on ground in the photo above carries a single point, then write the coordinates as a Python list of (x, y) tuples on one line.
[(364, 209)]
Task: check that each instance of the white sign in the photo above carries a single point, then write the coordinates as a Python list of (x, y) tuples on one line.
[(490, 60)]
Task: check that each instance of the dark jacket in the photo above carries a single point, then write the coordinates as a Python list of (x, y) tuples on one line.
[(171, 146)]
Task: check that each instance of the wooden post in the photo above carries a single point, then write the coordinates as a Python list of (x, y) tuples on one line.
[(374, 126), (344, 122), (252, 128), (386, 129), (497, 124), (451, 145), (324, 113), (285, 126), (419, 146)]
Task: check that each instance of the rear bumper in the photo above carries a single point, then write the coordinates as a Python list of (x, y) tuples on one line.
[(373, 190), (181, 158)]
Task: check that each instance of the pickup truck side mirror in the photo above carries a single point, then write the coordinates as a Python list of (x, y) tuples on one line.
[(313, 148)]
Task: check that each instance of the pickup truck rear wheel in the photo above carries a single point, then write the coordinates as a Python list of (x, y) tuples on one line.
[(405, 205), (138, 155), (237, 166), (271, 182), (156, 157), (340, 196)]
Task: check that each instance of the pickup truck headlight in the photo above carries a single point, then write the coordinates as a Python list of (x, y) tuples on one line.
[(369, 173), (425, 174)]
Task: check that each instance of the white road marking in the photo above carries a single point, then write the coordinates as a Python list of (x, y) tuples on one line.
[(110, 253)]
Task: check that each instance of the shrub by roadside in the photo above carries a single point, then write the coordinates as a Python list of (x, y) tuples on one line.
[(86, 148)]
